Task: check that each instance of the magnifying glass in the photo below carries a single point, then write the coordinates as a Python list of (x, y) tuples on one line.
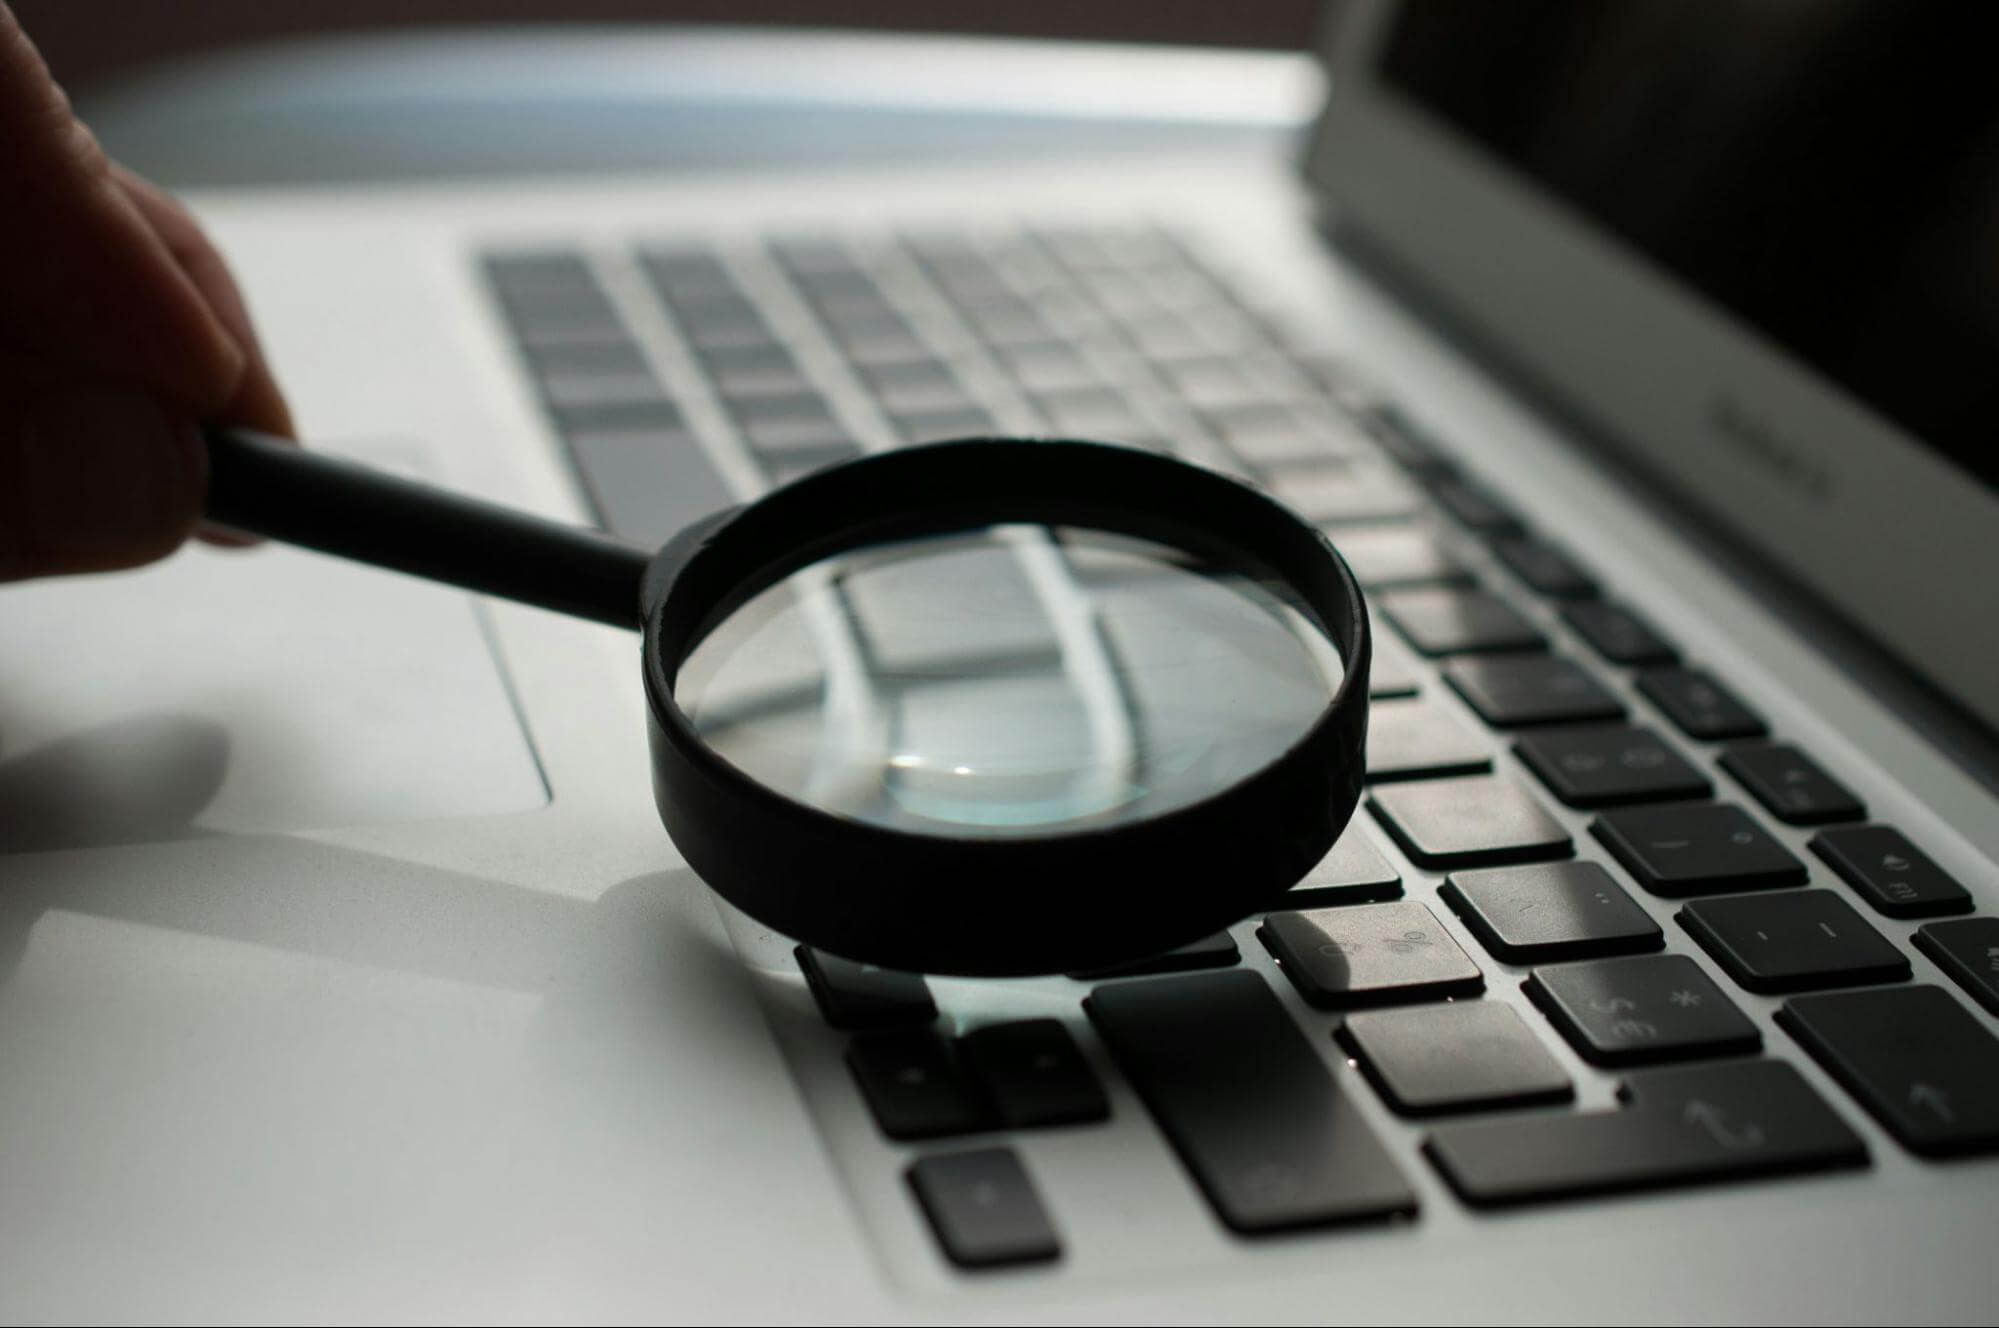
[(994, 707)]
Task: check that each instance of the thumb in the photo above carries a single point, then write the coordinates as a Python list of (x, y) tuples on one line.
[(95, 477)]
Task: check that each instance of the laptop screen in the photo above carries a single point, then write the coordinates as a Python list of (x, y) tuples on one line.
[(1828, 172)]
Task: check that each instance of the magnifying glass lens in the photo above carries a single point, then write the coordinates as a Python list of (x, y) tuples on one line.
[(1009, 681)]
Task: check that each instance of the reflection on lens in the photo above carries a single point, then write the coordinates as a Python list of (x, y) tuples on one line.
[(1012, 680)]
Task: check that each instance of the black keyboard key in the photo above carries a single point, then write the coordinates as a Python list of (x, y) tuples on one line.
[(1032, 1074), (1346, 492), (538, 270), (1890, 873), (1471, 821), (653, 413), (785, 464), (1919, 1061), (913, 376), (1509, 691), (543, 335), (1678, 1126), (647, 486), (1421, 740), (1051, 366), (575, 397), (1550, 911), (1395, 672), (683, 273), (529, 305), (1968, 950), (1697, 849), (1698, 705), (1406, 442), (1391, 556), (1355, 872), (1641, 1008), (1247, 1103), (727, 328), (1618, 634), (913, 1086), (777, 435), (1216, 951), (1370, 954), (1610, 765), (936, 426), (585, 358), (983, 1208), (1273, 434), (1091, 412), (1793, 941), (755, 407), (747, 370), (617, 357), (1476, 509), (1790, 785), (1546, 569), (858, 997), (1456, 622), (1456, 1057)]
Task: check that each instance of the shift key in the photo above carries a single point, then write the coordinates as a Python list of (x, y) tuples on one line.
[(1683, 1126), (1246, 1102)]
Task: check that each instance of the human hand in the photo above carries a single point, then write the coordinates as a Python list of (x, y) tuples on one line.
[(121, 330)]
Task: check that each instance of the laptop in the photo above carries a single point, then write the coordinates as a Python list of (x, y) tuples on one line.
[(1628, 353)]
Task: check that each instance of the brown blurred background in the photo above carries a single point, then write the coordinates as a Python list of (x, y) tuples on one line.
[(90, 41)]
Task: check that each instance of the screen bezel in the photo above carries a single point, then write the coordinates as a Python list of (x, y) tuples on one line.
[(1792, 465)]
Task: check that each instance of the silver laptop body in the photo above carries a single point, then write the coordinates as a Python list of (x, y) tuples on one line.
[(345, 972)]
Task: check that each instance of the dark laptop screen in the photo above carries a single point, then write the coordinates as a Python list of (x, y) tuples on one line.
[(1827, 171)]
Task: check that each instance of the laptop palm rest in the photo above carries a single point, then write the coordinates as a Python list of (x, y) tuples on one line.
[(276, 690)]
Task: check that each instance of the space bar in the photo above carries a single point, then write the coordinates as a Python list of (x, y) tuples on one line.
[(1247, 1104)]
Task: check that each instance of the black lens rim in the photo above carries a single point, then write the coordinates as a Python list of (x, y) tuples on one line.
[(1003, 906)]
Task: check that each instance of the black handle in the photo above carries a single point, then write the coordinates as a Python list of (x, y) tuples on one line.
[(262, 486)]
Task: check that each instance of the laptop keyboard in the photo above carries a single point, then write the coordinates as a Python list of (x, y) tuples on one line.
[(685, 377)]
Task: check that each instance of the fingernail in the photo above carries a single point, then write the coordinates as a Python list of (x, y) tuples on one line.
[(108, 475)]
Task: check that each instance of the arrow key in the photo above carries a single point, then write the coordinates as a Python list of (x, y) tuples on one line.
[(1919, 1061), (913, 1085), (983, 1208)]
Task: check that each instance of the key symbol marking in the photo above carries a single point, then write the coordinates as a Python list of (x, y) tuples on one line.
[(1932, 1099), (1706, 1116)]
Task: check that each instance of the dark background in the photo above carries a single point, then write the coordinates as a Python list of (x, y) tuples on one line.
[(89, 41)]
